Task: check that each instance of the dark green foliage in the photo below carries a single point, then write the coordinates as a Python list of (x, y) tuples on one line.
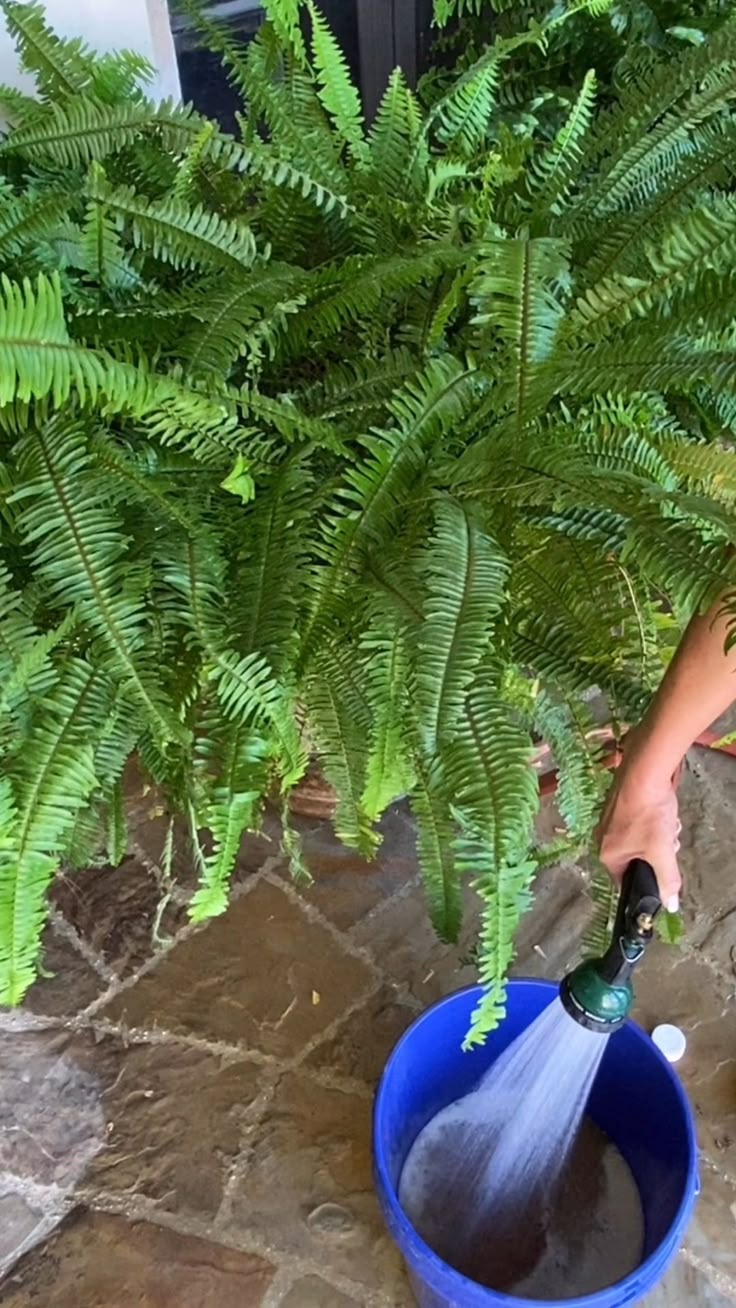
[(387, 443)]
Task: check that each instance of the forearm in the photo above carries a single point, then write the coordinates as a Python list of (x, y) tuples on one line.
[(699, 685)]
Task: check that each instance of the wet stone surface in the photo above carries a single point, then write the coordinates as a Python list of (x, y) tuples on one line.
[(313, 1292), (69, 983), (223, 1095), (102, 1261), (51, 1121), (263, 976), (173, 1124), (346, 887), (323, 1206), (123, 914)]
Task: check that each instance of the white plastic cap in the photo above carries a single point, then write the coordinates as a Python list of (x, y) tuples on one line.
[(670, 1040)]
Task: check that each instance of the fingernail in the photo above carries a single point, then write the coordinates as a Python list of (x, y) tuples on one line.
[(673, 904)]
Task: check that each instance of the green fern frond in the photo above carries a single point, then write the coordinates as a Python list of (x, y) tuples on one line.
[(389, 772), (337, 92), (186, 237), (506, 897), (554, 173), (517, 292), (395, 159), (462, 116), (47, 785), (75, 133), (28, 219), (466, 574), (339, 718), (78, 548), (104, 258), (61, 67), (286, 18), (431, 805)]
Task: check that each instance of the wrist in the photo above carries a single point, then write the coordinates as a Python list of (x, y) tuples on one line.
[(647, 766)]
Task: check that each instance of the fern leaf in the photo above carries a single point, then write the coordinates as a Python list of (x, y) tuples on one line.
[(52, 780), (517, 292), (181, 235), (78, 547), (77, 132), (505, 898), (339, 719), (436, 831), (395, 159), (61, 67), (555, 172), (466, 573), (462, 116), (337, 92), (388, 768), (285, 16), (104, 258)]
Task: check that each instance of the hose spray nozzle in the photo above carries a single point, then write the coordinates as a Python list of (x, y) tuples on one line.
[(598, 994)]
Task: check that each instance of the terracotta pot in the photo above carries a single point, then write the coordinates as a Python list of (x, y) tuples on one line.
[(313, 797)]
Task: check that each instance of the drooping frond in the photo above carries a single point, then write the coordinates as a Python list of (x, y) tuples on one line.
[(389, 773), (466, 573), (339, 717), (46, 786), (431, 804)]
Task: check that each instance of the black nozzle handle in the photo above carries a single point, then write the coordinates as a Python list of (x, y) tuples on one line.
[(638, 905), (640, 900)]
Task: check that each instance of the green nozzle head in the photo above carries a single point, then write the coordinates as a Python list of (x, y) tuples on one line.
[(598, 994)]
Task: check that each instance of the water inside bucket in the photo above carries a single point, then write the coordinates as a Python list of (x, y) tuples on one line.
[(505, 1187)]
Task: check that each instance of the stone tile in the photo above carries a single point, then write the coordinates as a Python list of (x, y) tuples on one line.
[(676, 987), (313, 1292), (345, 886), (101, 1261), (708, 813), (115, 910), (18, 1221), (684, 1287), (51, 1122), (173, 1123), (262, 975), (308, 1186), (551, 933), (67, 984), (711, 1237), (365, 1039), (403, 943)]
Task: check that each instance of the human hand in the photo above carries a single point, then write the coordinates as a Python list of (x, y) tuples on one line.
[(641, 820)]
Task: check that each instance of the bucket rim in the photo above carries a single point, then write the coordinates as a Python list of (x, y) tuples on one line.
[(630, 1285)]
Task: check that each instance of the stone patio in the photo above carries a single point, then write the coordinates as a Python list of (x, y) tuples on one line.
[(186, 1124)]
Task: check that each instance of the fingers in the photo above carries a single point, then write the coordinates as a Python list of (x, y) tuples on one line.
[(669, 879)]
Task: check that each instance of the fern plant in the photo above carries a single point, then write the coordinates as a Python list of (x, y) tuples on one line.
[(376, 438)]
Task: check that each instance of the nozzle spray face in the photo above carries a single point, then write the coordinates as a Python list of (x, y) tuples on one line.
[(599, 993)]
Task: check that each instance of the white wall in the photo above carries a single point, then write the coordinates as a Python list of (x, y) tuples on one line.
[(141, 25)]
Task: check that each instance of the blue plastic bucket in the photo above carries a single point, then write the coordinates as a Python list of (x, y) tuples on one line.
[(637, 1100)]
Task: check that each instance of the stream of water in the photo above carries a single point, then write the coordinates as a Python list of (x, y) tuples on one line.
[(482, 1180)]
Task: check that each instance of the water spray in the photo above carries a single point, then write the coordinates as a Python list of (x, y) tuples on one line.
[(598, 994)]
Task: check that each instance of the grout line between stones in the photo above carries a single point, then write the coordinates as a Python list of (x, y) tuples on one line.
[(136, 1208), (313, 914), (723, 1283), (68, 933)]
